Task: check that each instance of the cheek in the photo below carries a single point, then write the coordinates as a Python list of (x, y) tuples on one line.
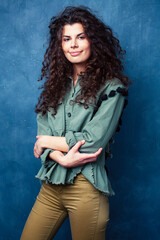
[(63, 48), (87, 46), (88, 50), (66, 54)]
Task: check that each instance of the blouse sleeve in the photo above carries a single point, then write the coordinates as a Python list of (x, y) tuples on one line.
[(98, 131), (44, 129)]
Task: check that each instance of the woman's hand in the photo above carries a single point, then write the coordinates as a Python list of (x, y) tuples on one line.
[(52, 142), (74, 158), (40, 145)]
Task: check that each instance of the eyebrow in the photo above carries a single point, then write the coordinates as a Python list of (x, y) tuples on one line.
[(77, 35)]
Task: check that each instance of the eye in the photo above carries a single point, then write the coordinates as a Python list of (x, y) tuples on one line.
[(66, 39), (81, 37)]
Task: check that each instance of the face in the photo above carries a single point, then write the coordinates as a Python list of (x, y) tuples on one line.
[(75, 44)]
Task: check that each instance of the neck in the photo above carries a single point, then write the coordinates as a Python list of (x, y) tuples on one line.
[(77, 68)]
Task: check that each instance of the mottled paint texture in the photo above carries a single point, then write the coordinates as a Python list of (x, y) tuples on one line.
[(134, 169)]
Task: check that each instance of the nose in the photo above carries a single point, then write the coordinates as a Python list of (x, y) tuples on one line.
[(74, 43)]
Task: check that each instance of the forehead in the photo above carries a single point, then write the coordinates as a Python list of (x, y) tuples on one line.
[(72, 29)]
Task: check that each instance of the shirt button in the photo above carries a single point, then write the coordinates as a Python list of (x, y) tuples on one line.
[(69, 114), (71, 102)]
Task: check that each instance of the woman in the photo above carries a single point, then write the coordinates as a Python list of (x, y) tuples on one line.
[(78, 112)]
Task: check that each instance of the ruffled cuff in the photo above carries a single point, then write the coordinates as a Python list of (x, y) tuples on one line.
[(45, 155), (70, 139)]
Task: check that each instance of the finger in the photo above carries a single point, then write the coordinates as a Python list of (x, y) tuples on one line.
[(98, 152), (91, 155), (77, 145), (36, 154), (39, 136), (37, 148), (89, 160), (38, 151)]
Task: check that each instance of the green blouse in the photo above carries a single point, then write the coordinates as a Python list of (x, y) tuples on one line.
[(74, 122)]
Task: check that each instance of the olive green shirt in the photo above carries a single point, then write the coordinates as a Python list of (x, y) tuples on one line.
[(75, 123)]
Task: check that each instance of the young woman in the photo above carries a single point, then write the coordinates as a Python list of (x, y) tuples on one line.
[(78, 112)]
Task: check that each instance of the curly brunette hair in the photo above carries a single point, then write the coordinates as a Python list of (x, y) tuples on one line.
[(104, 63)]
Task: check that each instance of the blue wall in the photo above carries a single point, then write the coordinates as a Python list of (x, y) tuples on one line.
[(134, 170)]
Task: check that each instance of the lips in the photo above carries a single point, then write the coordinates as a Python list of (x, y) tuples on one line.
[(75, 53)]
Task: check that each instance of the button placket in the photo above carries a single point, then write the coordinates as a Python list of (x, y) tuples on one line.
[(69, 106)]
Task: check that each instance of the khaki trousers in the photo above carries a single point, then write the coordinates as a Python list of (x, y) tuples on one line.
[(87, 208)]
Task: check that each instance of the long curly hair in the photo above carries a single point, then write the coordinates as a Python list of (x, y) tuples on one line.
[(105, 62)]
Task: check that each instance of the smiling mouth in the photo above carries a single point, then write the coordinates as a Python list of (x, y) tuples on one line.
[(75, 53)]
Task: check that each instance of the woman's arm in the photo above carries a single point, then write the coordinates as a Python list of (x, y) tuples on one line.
[(96, 133), (51, 142), (43, 129), (74, 158), (101, 128)]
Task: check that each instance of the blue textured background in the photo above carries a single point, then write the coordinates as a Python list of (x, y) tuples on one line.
[(135, 169)]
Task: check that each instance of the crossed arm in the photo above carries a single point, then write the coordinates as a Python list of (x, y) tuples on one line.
[(94, 136), (73, 158)]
